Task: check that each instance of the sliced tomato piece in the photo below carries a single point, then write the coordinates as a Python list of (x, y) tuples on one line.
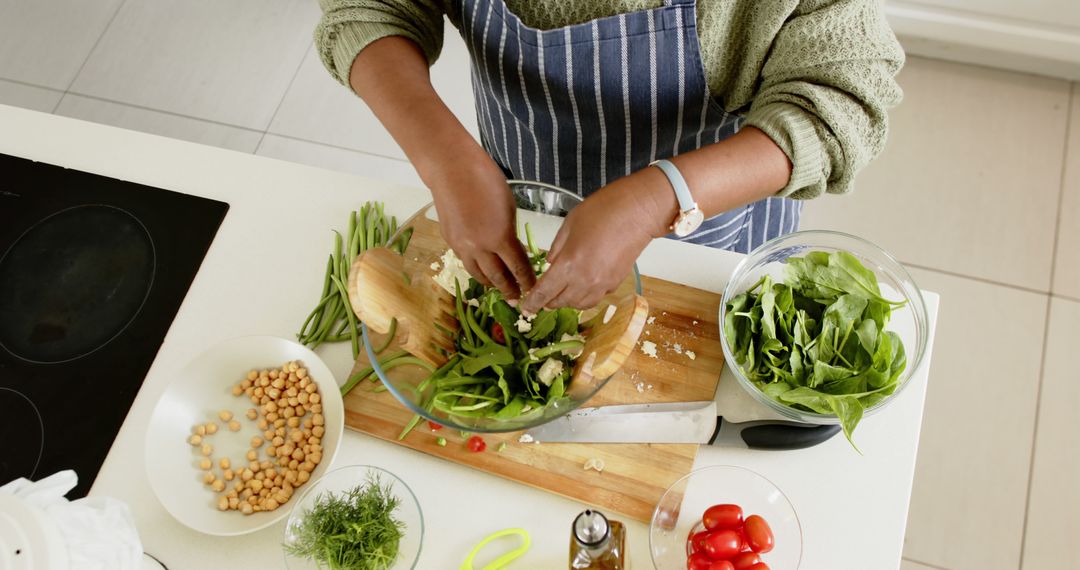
[(434, 426), (498, 334), (476, 444)]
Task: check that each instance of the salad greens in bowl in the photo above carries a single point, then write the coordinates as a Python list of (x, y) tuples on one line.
[(823, 327), (509, 371)]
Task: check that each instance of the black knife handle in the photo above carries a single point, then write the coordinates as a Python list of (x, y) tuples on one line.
[(784, 436)]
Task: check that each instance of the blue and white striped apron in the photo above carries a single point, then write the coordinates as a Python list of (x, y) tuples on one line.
[(581, 106)]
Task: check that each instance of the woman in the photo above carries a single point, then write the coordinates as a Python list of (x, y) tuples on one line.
[(754, 105)]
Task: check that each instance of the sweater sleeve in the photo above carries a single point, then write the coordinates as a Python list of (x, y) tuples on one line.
[(825, 90), (348, 26)]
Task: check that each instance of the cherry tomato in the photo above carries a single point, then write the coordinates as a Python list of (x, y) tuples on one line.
[(745, 560), (434, 426), (498, 334), (477, 444), (721, 565), (758, 534), (698, 561), (723, 544), (697, 541), (723, 517), (759, 566)]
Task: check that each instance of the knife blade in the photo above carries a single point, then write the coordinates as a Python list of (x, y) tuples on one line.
[(678, 422)]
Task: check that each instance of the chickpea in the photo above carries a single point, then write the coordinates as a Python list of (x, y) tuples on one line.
[(279, 480), (288, 412), (207, 449), (195, 440), (273, 393), (239, 485), (208, 477), (274, 374), (224, 463), (266, 465), (252, 414), (246, 508), (307, 466), (281, 498), (251, 455), (234, 426), (225, 415), (255, 485), (270, 407), (237, 390), (301, 373), (258, 393), (279, 383), (260, 476), (252, 498), (205, 464), (308, 423), (271, 416), (294, 465), (211, 428), (317, 419), (265, 381), (254, 467), (252, 374), (245, 384), (290, 476), (271, 451), (246, 475), (231, 494), (283, 461), (298, 454), (315, 408), (305, 382), (296, 436), (234, 503), (271, 504), (315, 457), (294, 422), (200, 430), (218, 486), (223, 504), (249, 391), (256, 442), (229, 475), (271, 473), (302, 477), (318, 431), (292, 392), (311, 388)]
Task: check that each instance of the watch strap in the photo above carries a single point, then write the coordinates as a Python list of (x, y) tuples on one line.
[(682, 190)]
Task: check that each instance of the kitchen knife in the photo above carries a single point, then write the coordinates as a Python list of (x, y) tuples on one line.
[(681, 422)]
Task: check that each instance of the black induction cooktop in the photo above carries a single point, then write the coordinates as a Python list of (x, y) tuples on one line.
[(92, 273)]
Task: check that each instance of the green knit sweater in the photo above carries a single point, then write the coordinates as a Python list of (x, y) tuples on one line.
[(817, 76)]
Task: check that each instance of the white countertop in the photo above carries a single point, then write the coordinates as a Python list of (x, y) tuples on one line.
[(853, 508)]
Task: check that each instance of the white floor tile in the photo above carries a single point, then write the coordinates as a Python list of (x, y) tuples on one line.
[(969, 181), (331, 158), (229, 62), (158, 123), (1067, 268), (44, 42), (969, 496), (1054, 512), (28, 97), (318, 108)]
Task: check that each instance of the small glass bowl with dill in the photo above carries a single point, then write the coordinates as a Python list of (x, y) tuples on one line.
[(359, 517)]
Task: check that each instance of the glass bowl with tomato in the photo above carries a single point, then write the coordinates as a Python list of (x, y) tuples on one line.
[(450, 400), (725, 518)]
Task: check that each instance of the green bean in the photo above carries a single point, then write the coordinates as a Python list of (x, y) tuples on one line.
[(475, 327), (368, 371), (353, 335), (389, 337), (459, 306)]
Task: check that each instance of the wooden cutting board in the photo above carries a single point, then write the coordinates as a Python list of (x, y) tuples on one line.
[(635, 475)]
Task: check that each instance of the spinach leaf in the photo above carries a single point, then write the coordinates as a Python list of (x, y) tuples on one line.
[(567, 322), (543, 325), (488, 355)]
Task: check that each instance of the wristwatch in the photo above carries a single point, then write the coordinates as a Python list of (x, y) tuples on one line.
[(690, 216)]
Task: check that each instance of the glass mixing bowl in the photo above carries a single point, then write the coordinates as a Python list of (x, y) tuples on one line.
[(425, 247), (678, 514), (910, 322), (346, 478)]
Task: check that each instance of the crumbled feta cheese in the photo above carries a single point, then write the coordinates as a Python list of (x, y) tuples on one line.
[(640, 387), (523, 324), (525, 438), (453, 270), (695, 322), (609, 313), (649, 348), (677, 348), (690, 354), (532, 354), (595, 463), (545, 266), (435, 266), (549, 370), (573, 354), (650, 320), (473, 302)]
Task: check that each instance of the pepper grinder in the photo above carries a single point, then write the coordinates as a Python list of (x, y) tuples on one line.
[(597, 543)]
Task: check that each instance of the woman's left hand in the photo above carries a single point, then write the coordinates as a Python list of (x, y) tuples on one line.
[(601, 238)]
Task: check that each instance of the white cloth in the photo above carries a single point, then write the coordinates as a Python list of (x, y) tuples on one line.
[(99, 531)]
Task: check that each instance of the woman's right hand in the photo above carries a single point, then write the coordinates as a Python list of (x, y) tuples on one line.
[(477, 218), (476, 210)]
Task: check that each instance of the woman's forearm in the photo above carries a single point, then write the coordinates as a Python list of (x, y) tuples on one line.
[(736, 171), (391, 75)]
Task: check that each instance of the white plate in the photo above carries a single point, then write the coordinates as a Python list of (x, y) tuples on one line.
[(197, 393)]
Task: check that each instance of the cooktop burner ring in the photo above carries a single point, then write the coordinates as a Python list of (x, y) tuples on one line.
[(16, 413), (73, 282)]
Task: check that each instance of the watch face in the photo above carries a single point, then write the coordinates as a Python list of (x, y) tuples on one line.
[(688, 221)]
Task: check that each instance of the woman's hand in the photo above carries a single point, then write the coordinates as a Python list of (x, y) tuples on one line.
[(476, 210), (477, 218), (601, 238)]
